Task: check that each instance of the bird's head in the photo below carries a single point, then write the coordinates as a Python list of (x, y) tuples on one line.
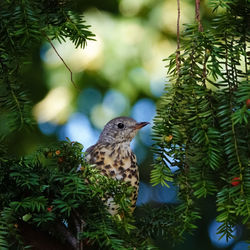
[(121, 129)]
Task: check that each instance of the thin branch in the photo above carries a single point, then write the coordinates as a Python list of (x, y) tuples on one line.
[(78, 231), (18, 107), (198, 19), (178, 62), (204, 73), (197, 14), (15, 98), (71, 74), (236, 147), (245, 49), (67, 235), (79, 224), (81, 230)]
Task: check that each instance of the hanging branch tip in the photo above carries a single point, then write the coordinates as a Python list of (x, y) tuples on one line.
[(65, 64)]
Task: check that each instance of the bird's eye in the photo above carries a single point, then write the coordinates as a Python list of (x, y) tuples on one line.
[(120, 125)]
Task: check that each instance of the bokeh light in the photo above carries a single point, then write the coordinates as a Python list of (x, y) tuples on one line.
[(163, 194), (146, 135), (241, 245), (100, 115), (157, 86), (54, 107), (143, 110), (87, 99), (144, 194), (158, 194), (77, 58), (139, 77), (115, 101), (139, 149), (78, 128), (215, 237), (47, 128)]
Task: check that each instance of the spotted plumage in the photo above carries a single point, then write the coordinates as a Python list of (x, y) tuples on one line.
[(113, 156)]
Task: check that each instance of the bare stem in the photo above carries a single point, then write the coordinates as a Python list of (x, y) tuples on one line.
[(68, 236), (197, 14), (17, 102), (71, 74), (79, 224), (204, 73), (178, 62)]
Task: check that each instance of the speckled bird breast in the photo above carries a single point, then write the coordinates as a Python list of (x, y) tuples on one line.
[(116, 161)]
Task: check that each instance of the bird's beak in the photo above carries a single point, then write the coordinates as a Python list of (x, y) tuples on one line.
[(140, 125)]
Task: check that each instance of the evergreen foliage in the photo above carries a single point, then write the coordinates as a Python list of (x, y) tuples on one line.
[(48, 192), (202, 123), (23, 26), (203, 120), (45, 190)]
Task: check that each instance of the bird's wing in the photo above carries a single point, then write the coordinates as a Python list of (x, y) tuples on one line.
[(88, 153), (89, 149)]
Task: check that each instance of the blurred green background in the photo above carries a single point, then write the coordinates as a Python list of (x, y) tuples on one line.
[(121, 73)]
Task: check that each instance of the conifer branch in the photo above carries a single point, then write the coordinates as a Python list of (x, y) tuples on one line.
[(207, 125), (18, 107), (231, 106)]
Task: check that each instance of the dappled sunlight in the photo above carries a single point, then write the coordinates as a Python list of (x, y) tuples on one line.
[(100, 115), (56, 106), (77, 59)]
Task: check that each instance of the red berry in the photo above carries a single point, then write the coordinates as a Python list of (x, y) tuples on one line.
[(248, 103), (60, 159), (235, 181), (49, 209)]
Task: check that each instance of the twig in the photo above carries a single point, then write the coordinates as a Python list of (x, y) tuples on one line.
[(178, 62), (204, 73), (78, 230), (197, 14), (17, 102), (245, 49), (79, 224), (81, 230), (68, 236), (71, 74), (200, 28)]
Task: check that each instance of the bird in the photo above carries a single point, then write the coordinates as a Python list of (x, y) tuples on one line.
[(113, 156)]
